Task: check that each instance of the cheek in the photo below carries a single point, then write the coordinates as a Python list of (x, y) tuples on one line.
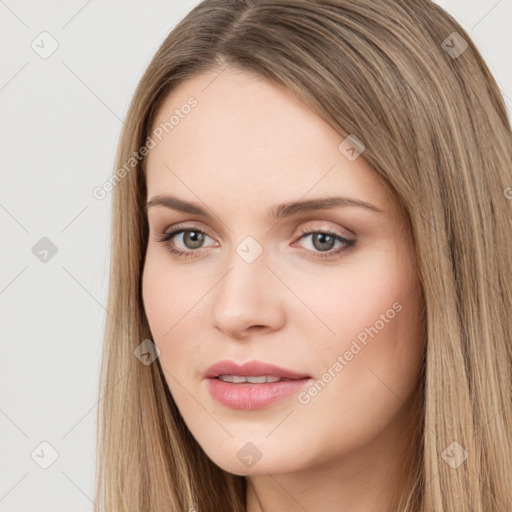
[(373, 337), (353, 296), (380, 367), (169, 306), (156, 297)]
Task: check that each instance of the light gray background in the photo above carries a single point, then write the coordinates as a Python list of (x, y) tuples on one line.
[(60, 122)]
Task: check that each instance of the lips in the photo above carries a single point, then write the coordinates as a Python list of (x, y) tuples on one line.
[(252, 385), (251, 369)]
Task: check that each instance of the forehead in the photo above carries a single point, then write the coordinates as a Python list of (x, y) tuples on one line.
[(253, 140)]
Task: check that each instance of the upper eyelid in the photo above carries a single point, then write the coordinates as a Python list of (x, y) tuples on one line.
[(197, 226), (179, 229)]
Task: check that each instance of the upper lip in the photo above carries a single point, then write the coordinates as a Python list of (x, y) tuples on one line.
[(251, 369)]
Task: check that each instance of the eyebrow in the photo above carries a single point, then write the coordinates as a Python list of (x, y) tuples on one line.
[(276, 213)]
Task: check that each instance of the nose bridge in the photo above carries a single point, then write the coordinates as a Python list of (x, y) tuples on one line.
[(245, 295), (248, 272)]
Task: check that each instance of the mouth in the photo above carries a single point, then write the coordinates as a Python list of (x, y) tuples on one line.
[(252, 385)]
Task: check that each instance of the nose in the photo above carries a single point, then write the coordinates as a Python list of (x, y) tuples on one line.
[(248, 298)]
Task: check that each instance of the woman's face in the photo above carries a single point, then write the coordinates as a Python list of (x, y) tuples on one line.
[(283, 288)]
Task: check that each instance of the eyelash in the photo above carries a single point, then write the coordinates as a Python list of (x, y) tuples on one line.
[(165, 238)]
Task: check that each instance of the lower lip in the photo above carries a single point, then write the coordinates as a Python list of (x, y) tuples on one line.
[(253, 396)]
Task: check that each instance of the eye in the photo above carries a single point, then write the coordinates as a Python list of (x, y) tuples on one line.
[(191, 238), (322, 242)]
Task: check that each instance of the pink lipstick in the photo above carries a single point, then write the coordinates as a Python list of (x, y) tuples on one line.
[(252, 385)]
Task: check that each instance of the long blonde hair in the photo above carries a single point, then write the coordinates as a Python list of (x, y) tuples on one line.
[(407, 81)]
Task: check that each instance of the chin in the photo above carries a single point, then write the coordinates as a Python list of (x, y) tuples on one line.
[(261, 466)]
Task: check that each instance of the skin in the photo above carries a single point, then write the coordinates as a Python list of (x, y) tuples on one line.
[(246, 147)]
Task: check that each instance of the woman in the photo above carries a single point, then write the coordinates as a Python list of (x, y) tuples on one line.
[(311, 263)]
